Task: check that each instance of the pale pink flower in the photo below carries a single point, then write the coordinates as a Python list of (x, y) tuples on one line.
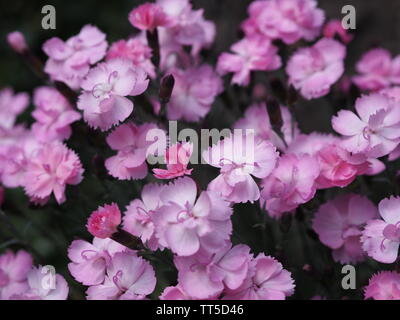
[(70, 61), (148, 16), (381, 238), (377, 70), (384, 285), (177, 159), (290, 184), (266, 280), (1, 196), (206, 274), (392, 92), (134, 49), (374, 130), (335, 27), (53, 115), (106, 86), (256, 118), (194, 92), (184, 223), (89, 261), (287, 20), (41, 286), (104, 221), (129, 140), (138, 217), (315, 69), (249, 54), (129, 277), (49, 170), (240, 157), (17, 41), (14, 268), (339, 224), (11, 105)]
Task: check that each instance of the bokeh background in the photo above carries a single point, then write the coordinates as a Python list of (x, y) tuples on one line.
[(47, 232)]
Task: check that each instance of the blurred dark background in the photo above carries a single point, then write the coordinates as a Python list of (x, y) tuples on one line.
[(46, 232)]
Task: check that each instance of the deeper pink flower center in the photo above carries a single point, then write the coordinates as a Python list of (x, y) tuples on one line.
[(103, 90)]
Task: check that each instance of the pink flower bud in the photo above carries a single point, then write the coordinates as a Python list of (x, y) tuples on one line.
[(17, 42), (103, 222), (148, 16)]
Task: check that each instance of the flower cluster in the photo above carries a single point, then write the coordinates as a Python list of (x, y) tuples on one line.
[(195, 211)]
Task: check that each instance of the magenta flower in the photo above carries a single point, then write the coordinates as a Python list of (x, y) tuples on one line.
[(194, 92), (377, 70), (53, 115), (339, 224), (70, 61), (1, 196), (129, 277), (290, 184), (315, 69), (186, 27), (185, 223), (89, 261), (339, 167), (148, 16), (374, 130), (138, 217), (14, 268), (381, 238), (131, 145), (384, 285), (11, 105), (136, 50), (240, 157), (177, 159), (42, 288), (250, 54), (334, 27), (104, 221), (287, 20), (106, 86), (205, 275), (266, 280), (49, 170)]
